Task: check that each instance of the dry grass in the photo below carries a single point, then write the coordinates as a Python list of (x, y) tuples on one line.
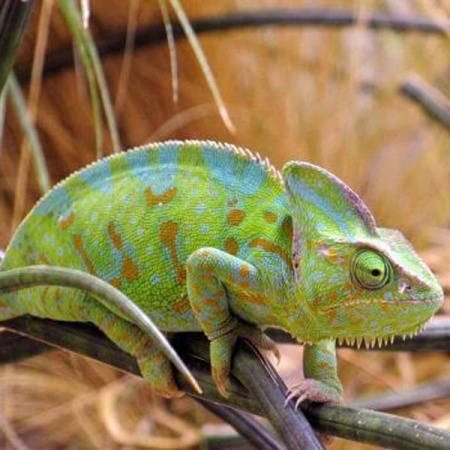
[(326, 96)]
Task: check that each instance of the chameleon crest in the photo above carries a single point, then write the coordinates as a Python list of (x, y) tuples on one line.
[(209, 237)]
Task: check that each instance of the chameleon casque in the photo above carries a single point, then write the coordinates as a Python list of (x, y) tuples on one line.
[(208, 236)]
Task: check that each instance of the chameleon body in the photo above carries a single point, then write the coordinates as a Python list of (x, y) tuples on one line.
[(209, 237)]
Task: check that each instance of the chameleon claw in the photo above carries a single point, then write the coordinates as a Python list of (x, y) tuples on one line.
[(222, 388), (291, 394), (300, 400)]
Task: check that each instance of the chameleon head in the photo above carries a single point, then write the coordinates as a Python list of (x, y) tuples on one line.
[(354, 281)]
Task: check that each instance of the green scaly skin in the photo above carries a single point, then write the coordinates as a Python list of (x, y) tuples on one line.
[(207, 236)]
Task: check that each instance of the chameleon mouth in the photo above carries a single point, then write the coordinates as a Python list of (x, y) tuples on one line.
[(370, 342)]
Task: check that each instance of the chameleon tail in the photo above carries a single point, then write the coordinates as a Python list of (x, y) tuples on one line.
[(17, 279), (6, 312)]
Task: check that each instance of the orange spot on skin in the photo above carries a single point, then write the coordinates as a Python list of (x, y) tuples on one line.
[(130, 270), (270, 217), (231, 246), (159, 359), (45, 294), (57, 299), (116, 282), (115, 236), (43, 259), (331, 315), (196, 290), (258, 299), (271, 247), (181, 306), (332, 254), (79, 246), (287, 227), (235, 217), (65, 223), (333, 296), (244, 270), (168, 234), (166, 197), (211, 302)]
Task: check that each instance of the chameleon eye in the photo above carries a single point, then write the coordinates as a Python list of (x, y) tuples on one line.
[(371, 270)]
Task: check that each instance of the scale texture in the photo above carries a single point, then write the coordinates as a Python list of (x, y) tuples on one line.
[(209, 237)]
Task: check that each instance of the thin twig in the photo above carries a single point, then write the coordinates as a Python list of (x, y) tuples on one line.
[(301, 17), (430, 99), (421, 394), (34, 144), (14, 18), (245, 424), (15, 348)]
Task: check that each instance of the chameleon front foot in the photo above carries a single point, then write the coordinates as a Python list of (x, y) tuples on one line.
[(222, 349), (313, 391)]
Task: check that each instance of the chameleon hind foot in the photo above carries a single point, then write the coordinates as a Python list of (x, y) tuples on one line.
[(313, 391), (222, 350), (156, 369)]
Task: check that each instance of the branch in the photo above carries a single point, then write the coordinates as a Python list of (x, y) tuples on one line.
[(87, 341), (371, 427), (154, 35)]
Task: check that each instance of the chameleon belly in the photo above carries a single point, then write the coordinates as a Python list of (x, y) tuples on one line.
[(134, 218)]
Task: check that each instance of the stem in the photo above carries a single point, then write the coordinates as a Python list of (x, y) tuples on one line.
[(14, 17)]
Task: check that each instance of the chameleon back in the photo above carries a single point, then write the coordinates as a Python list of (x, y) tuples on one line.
[(134, 218)]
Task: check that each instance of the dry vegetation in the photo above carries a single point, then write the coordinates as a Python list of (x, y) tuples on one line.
[(318, 94)]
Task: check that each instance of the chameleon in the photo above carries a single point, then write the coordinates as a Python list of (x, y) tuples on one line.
[(206, 236)]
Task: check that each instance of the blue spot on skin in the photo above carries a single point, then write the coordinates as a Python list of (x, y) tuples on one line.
[(98, 177), (200, 208), (58, 199), (316, 277), (204, 228), (230, 171), (310, 196), (155, 279), (160, 178)]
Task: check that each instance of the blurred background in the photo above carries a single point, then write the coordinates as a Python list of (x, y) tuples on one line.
[(334, 96)]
